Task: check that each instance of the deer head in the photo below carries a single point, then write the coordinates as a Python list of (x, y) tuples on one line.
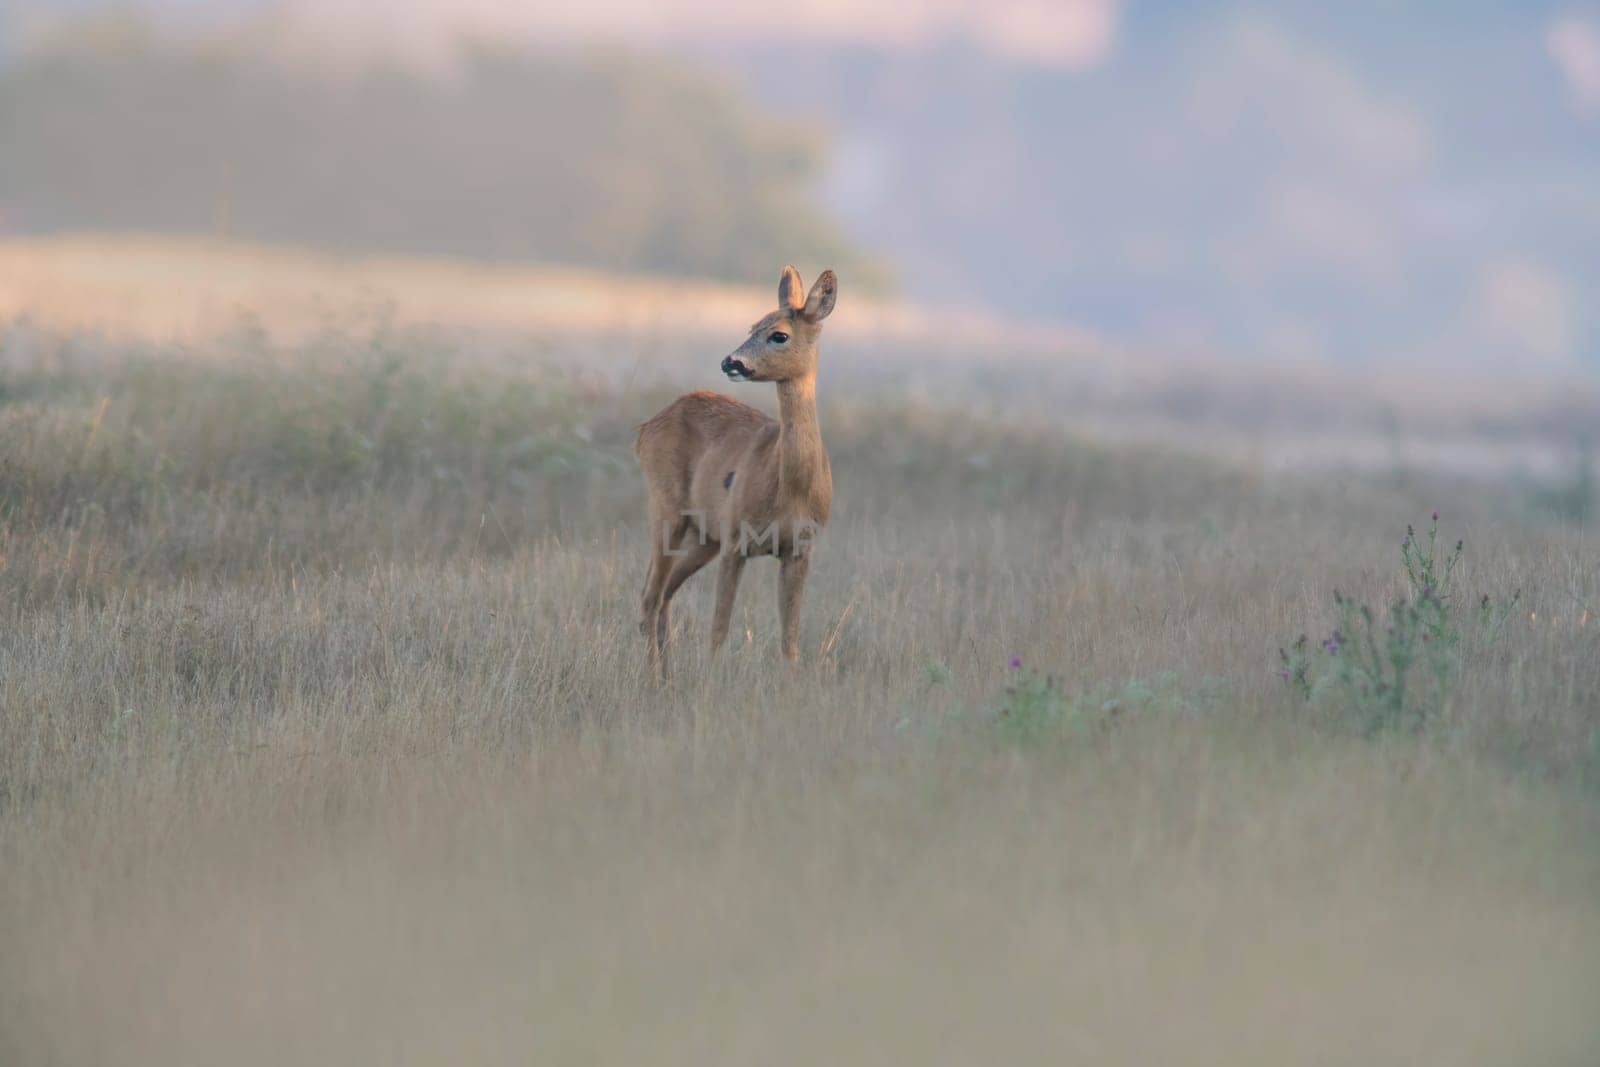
[(783, 346)]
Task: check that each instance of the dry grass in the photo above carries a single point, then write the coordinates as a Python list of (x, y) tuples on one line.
[(325, 737)]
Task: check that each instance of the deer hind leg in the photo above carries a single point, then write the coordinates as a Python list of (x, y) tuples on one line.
[(683, 567), (727, 588), (791, 586), (667, 532)]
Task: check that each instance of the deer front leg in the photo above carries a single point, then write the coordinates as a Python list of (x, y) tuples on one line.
[(791, 584), (727, 589)]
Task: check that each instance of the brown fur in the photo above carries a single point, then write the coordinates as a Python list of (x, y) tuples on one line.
[(721, 474)]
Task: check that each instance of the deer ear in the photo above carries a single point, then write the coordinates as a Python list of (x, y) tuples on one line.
[(789, 289), (819, 305)]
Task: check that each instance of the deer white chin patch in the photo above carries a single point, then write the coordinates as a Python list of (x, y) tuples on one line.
[(737, 375)]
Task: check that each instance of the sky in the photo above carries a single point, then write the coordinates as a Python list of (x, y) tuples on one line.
[(1069, 33)]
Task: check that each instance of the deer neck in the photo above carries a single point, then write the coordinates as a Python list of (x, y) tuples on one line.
[(802, 463)]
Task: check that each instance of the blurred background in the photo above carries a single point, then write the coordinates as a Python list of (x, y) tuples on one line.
[(1293, 234), (1364, 182)]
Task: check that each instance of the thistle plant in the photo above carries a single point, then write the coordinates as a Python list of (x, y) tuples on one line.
[(1296, 667), (1398, 669), (1430, 578), (1034, 704)]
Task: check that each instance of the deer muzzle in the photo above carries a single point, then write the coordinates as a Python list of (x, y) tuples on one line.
[(735, 369)]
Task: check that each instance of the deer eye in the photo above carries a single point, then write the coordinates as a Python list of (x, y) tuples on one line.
[(777, 337)]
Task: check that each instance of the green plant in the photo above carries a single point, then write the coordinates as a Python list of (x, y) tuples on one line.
[(1038, 707), (1296, 666), (1035, 704), (1394, 671)]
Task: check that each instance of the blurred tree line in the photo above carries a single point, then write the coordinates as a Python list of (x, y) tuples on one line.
[(607, 160)]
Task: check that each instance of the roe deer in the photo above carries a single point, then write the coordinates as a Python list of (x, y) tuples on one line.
[(726, 480)]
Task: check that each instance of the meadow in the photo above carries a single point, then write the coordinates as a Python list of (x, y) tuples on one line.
[(326, 733)]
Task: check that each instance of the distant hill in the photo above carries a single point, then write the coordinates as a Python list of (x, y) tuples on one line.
[(597, 159)]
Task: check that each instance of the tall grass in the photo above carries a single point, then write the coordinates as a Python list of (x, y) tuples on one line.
[(326, 735)]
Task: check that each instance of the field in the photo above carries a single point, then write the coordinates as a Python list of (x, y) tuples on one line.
[(326, 733)]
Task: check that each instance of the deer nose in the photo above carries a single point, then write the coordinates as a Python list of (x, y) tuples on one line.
[(735, 369)]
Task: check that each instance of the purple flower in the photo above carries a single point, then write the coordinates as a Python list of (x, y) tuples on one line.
[(1284, 674), (1435, 516), (1331, 645), (1016, 663)]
